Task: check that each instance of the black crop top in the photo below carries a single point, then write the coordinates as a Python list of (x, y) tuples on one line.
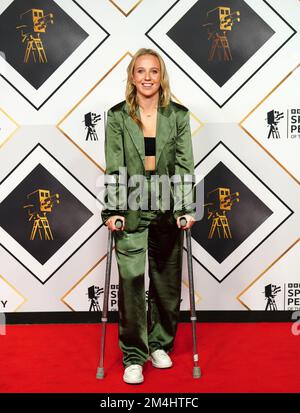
[(149, 146)]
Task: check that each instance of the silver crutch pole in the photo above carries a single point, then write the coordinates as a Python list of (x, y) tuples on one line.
[(193, 318), (100, 370)]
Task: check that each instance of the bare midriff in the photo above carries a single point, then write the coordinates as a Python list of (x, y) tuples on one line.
[(149, 163)]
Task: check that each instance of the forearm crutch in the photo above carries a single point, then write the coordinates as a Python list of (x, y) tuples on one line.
[(193, 318), (100, 370)]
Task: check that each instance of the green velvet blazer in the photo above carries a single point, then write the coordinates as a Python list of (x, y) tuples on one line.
[(124, 146)]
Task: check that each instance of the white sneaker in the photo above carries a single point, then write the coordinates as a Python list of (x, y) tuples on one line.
[(160, 359), (133, 374)]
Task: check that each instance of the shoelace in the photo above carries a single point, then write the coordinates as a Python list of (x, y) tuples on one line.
[(162, 353), (133, 367)]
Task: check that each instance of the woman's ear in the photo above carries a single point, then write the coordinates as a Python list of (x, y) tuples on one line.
[(131, 80)]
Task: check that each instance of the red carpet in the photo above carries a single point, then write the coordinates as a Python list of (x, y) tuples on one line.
[(234, 357)]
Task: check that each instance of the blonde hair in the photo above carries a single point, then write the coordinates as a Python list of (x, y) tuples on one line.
[(131, 95)]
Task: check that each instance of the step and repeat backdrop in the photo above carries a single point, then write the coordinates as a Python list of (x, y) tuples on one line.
[(233, 63)]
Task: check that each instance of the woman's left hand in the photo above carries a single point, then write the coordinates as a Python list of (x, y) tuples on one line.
[(190, 221)]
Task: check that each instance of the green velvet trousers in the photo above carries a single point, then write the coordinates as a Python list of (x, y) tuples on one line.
[(142, 330)]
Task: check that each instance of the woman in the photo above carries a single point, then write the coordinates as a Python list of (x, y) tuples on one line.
[(149, 135)]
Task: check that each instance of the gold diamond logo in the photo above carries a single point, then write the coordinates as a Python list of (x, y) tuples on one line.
[(7, 127)]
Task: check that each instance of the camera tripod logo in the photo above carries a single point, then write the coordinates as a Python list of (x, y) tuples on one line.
[(271, 291), (34, 22), (220, 20), (42, 203), (273, 118), (221, 202), (90, 121), (94, 293)]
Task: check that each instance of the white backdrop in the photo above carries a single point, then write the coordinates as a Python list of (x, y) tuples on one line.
[(43, 146)]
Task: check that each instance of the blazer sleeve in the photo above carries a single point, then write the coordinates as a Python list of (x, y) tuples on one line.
[(184, 167), (114, 196)]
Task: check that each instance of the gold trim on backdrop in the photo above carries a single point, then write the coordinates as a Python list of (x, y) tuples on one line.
[(193, 116), (272, 156), (78, 103), (122, 11), (201, 124), (79, 281), (254, 109), (266, 270), (199, 298), (16, 291), (13, 132), (81, 150)]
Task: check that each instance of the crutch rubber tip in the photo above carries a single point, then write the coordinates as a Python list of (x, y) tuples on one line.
[(196, 373), (100, 373)]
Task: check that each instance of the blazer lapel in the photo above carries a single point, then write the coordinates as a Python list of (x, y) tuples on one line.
[(136, 135), (164, 129)]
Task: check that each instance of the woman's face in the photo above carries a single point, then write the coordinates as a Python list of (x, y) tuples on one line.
[(147, 75)]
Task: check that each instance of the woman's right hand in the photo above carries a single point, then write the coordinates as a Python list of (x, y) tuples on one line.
[(110, 223)]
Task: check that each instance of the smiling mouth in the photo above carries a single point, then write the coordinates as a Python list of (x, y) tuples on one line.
[(147, 84)]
